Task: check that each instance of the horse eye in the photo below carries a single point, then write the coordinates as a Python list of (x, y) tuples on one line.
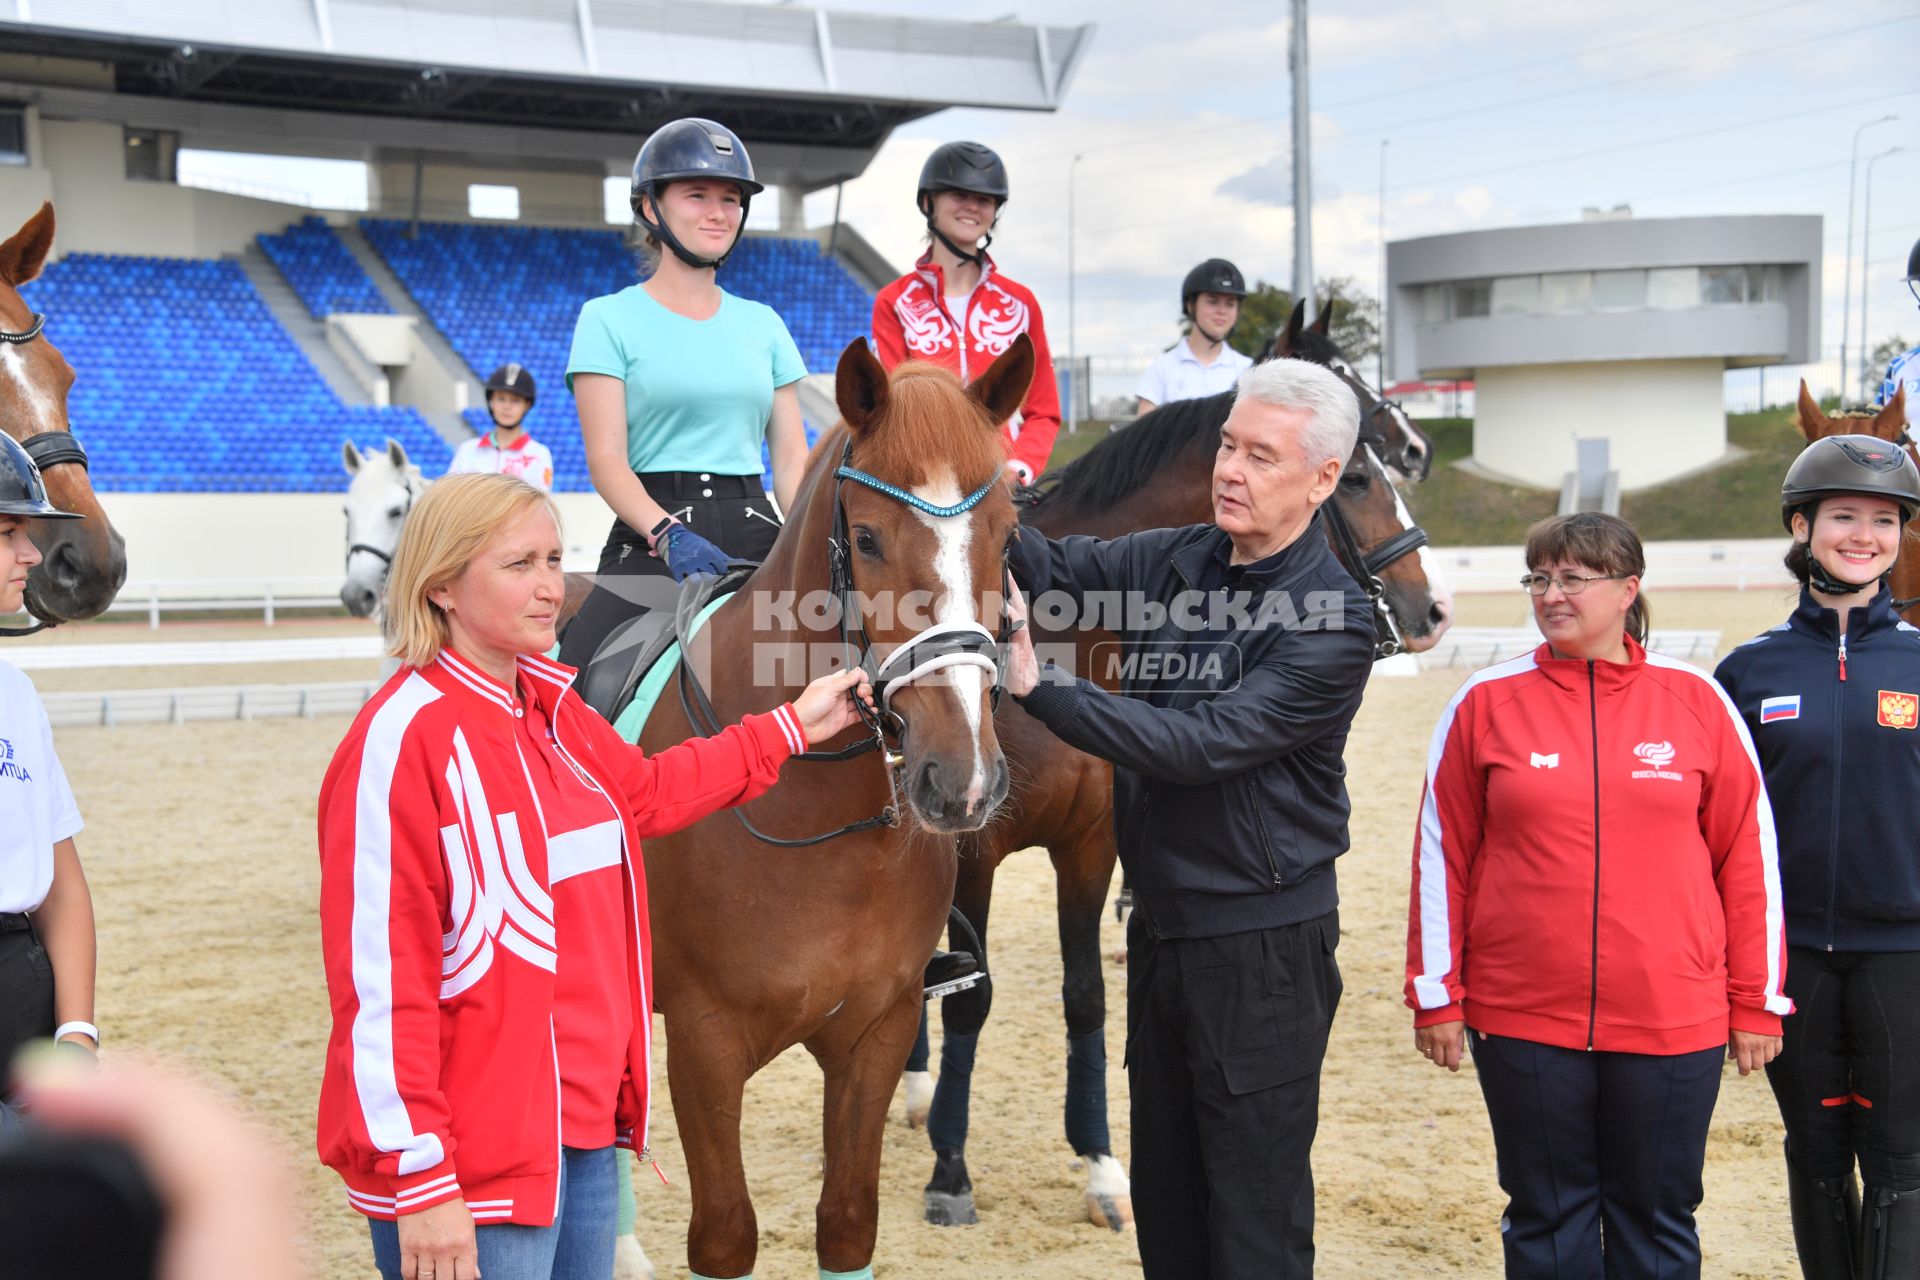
[(864, 540), (394, 513), (1356, 480)]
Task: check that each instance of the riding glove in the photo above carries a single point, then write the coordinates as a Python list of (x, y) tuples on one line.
[(687, 553)]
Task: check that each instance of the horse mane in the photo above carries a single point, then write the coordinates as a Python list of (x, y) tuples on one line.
[(1119, 465), (930, 420)]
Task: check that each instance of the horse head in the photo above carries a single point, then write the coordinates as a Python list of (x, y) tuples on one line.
[(1888, 422), (85, 561), (928, 520), (1406, 448), (1388, 551), (382, 492)]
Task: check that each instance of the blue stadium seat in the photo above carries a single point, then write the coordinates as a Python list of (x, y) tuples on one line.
[(502, 293), (322, 270), (206, 392)]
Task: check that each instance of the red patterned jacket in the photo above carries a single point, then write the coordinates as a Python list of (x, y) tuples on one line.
[(911, 322), (437, 927)]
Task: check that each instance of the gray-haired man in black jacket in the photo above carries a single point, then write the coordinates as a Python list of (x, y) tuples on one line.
[(1230, 805)]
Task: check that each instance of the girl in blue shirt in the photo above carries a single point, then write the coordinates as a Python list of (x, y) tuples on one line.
[(677, 383)]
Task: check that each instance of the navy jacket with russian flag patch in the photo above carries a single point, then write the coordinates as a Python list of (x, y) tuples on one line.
[(1838, 731)]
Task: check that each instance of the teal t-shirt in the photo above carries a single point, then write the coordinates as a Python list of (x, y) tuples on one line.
[(699, 392)]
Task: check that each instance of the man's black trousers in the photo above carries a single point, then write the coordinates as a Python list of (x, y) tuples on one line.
[(1225, 1037)]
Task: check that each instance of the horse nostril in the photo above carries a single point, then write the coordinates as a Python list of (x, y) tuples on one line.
[(1438, 615), (64, 568)]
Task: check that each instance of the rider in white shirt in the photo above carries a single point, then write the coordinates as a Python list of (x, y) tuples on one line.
[(507, 449), (1200, 364), (46, 911), (1905, 369)]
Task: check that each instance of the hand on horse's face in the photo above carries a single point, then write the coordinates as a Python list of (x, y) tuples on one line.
[(826, 707), (1023, 667)]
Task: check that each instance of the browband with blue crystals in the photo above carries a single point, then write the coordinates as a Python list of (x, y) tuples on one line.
[(918, 503)]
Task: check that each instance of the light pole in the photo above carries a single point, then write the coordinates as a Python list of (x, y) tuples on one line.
[(1302, 163), (1866, 256), (1073, 364), (1383, 267), (1846, 293)]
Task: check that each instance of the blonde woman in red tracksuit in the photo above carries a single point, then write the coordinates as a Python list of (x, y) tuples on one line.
[(1596, 915), (483, 907), (955, 309)]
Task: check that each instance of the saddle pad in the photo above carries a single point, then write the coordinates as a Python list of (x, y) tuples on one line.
[(633, 718)]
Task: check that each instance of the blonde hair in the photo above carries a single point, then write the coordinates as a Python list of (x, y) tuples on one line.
[(445, 531)]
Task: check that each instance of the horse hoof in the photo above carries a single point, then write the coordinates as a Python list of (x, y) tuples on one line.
[(1109, 1193), (919, 1098), (948, 1209), (630, 1260)]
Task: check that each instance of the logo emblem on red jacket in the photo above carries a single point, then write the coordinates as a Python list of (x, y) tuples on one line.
[(1657, 756), (1899, 710)]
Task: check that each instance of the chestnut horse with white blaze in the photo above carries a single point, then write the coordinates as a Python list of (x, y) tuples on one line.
[(84, 562), (904, 520)]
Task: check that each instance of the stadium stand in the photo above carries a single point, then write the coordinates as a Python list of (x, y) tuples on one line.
[(322, 271), (188, 384), (503, 293)]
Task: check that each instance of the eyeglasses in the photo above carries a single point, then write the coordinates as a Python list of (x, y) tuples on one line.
[(1570, 584)]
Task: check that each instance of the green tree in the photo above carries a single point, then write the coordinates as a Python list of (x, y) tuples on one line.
[(1356, 317), (1883, 355)]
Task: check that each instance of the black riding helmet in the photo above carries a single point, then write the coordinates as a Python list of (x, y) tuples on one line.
[(1913, 271), (962, 166), (512, 376), (1840, 465), (22, 491), (691, 148), (1215, 275)]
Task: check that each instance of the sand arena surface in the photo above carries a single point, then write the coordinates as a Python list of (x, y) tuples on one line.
[(200, 848)]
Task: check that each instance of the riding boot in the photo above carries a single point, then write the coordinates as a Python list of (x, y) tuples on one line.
[(948, 965), (1826, 1225), (1890, 1235)]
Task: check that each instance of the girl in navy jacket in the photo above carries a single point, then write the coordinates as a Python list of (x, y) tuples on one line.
[(1832, 699)]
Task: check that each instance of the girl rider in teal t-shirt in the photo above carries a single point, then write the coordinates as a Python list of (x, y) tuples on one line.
[(677, 383)]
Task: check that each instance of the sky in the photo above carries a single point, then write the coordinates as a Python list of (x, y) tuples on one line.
[(1494, 113)]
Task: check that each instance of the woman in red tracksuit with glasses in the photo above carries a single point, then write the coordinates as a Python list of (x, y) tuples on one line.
[(955, 309), (483, 907), (1596, 913)]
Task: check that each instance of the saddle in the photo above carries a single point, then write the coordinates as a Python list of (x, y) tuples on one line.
[(611, 677)]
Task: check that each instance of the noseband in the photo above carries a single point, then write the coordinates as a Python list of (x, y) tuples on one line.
[(944, 645), (48, 449)]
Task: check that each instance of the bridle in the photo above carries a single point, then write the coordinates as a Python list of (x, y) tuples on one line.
[(1367, 566), (936, 648), (384, 557), (1374, 406), (48, 449)]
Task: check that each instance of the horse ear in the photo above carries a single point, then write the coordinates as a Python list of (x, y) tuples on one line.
[(1893, 415), (1288, 340), (22, 257), (860, 387), (1324, 321), (1810, 420), (396, 454), (1002, 389), (350, 455)]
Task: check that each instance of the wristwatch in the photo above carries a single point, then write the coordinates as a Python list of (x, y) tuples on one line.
[(659, 530)]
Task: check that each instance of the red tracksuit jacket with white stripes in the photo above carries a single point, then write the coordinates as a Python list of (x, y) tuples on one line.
[(1595, 864), (437, 927)]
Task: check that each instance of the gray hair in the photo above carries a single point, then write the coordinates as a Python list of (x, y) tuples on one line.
[(1333, 425)]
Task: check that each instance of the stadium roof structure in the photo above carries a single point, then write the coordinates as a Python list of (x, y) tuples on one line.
[(786, 74)]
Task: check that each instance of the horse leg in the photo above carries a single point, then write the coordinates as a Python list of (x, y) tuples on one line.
[(919, 1079), (949, 1194), (859, 1089), (707, 1077), (1083, 869)]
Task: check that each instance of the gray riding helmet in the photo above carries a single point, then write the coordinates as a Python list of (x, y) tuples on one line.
[(1851, 464), (22, 490)]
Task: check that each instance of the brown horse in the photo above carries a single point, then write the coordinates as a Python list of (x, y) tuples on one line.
[(1155, 474), (903, 522), (1405, 447), (1889, 422), (85, 561)]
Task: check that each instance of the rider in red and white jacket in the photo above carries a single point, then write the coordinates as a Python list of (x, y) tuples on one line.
[(440, 871), (956, 310), (1595, 864)]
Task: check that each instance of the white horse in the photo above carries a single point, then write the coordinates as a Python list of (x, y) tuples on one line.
[(384, 488)]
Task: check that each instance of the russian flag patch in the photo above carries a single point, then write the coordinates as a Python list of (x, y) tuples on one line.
[(1786, 707)]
